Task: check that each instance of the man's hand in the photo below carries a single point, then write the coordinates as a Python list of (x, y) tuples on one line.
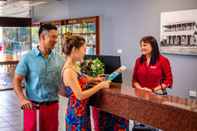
[(26, 104)]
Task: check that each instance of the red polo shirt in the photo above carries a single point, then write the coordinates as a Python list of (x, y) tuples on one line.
[(151, 76)]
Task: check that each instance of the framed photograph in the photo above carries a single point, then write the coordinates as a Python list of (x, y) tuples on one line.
[(178, 32)]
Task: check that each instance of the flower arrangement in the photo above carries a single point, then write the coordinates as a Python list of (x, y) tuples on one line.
[(92, 67)]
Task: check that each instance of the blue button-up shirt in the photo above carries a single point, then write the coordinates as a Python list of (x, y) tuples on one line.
[(42, 75)]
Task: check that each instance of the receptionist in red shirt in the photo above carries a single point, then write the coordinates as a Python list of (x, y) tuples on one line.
[(152, 71)]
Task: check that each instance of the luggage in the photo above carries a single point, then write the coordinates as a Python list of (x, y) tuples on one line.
[(37, 117), (35, 107)]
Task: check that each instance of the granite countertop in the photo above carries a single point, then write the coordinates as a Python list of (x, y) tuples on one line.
[(169, 113)]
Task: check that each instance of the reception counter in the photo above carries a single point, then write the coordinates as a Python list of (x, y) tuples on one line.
[(169, 113)]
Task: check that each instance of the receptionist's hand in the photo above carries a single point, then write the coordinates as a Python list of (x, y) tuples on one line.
[(147, 89)]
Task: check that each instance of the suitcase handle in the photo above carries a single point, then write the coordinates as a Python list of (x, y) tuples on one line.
[(34, 106)]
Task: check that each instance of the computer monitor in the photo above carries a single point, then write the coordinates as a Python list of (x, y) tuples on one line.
[(111, 63)]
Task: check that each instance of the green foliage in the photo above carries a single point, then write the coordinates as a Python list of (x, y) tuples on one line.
[(92, 67)]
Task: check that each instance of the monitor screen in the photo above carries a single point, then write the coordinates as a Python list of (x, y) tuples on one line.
[(111, 63)]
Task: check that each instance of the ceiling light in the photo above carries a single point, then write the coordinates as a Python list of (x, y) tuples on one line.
[(2, 2)]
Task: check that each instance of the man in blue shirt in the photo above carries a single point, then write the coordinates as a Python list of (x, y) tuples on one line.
[(40, 68)]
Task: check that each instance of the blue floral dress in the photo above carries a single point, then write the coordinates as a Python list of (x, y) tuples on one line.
[(78, 111)]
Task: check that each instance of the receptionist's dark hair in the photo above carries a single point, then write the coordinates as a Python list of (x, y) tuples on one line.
[(155, 49)]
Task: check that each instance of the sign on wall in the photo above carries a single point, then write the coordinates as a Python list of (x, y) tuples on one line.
[(178, 32)]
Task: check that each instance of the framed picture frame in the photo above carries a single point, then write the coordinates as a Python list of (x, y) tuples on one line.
[(178, 32)]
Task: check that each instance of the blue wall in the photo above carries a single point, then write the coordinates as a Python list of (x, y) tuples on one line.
[(124, 22)]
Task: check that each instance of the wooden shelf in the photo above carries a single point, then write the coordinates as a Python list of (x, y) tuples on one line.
[(83, 20)]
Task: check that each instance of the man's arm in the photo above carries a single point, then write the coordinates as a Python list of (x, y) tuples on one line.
[(17, 85)]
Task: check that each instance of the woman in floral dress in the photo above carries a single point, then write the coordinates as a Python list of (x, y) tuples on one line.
[(78, 114)]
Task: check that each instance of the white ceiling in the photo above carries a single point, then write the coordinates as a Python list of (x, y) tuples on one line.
[(18, 8)]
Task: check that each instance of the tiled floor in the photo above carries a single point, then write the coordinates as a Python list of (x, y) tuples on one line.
[(10, 113)]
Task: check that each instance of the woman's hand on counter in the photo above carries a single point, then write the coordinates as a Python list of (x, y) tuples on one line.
[(104, 84), (99, 78), (95, 80)]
